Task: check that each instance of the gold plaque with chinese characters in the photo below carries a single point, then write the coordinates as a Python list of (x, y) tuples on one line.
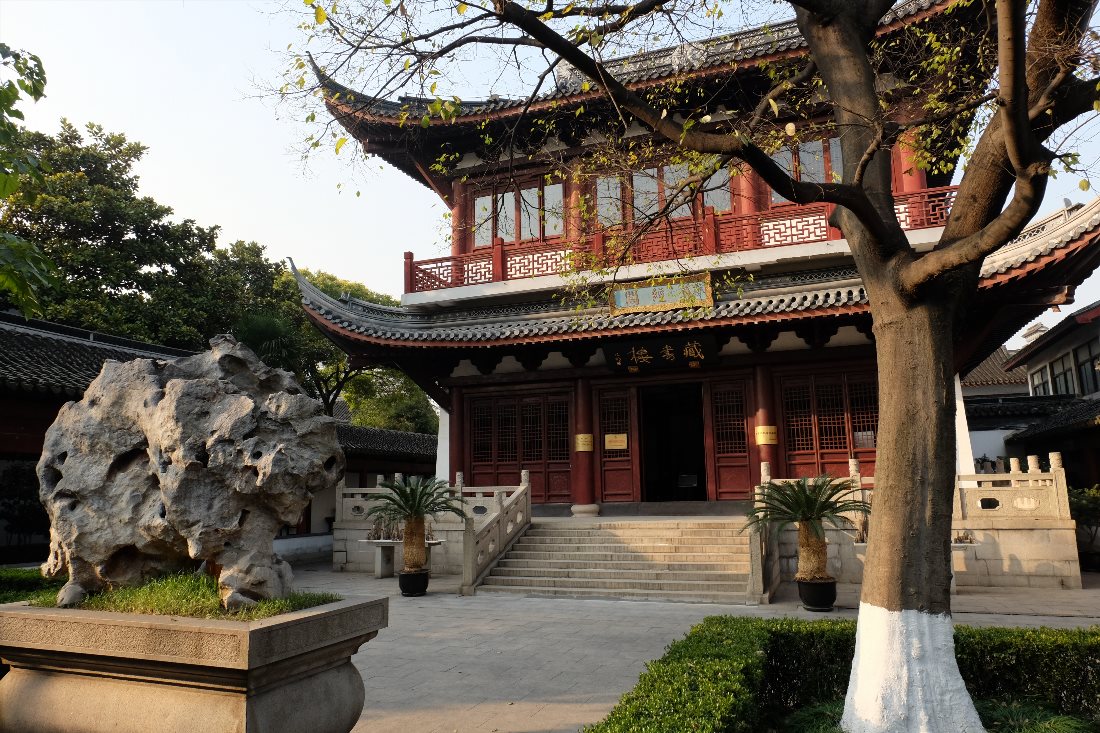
[(767, 435), (662, 294), (614, 441), (583, 442)]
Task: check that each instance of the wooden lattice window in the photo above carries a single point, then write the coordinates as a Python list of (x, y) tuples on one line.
[(729, 421), (481, 424), (798, 417), (615, 418), (863, 401), (532, 431), (832, 432), (506, 432), (557, 430)]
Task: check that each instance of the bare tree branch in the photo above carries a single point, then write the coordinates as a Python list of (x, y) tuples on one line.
[(779, 90)]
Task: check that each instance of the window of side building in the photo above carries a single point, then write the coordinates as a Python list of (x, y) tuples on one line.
[(1088, 361), (1061, 371), (1040, 382)]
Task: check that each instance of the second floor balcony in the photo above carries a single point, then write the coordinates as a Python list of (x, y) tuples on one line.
[(713, 234)]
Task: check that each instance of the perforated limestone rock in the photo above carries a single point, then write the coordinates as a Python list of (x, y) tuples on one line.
[(166, 464)]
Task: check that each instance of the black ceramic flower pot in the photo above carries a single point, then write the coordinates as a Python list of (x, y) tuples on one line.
[(817, 595), (413, 584)]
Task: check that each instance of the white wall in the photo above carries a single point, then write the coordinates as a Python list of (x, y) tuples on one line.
[(443, 447), (990, 443), (323, 505)]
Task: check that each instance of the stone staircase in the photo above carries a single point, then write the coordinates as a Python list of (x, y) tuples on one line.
[(704, 560)]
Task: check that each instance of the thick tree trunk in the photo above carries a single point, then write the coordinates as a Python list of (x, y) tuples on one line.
[(904, 676), (413, 545), (813, 554)]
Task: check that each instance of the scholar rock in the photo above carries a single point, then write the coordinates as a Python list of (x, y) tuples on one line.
[(164, 465)]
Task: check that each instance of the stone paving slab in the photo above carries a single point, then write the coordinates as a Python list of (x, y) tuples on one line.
[(516, 664)]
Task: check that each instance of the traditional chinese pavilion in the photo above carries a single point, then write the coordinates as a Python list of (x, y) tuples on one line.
[(760, 349)]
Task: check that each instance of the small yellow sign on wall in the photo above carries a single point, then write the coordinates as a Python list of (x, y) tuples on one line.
[(767, 435), (614, 441), (583, 442)]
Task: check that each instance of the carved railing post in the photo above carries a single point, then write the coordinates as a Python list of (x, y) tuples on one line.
[(1061, 489), (410, 281), (498, 259), (469, 557)]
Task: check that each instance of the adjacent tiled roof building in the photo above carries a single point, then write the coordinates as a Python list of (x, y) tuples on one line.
[(39, 356)]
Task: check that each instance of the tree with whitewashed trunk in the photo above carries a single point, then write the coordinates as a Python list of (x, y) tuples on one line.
[(1007, 81)]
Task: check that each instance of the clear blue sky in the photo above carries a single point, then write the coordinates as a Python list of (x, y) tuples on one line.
[(186, 79)]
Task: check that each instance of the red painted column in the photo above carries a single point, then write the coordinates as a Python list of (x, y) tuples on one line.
[(457, 435), (912, 177), (409, 280), (767, 432), (584, 465), (458, 218)]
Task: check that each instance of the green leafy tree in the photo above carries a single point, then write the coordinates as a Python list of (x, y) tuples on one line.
[(1084, 507), (386, 398), (283, 336), (24, 269), (124, 267)]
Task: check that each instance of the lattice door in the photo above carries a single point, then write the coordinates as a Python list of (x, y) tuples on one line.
[(509, 434), (825, 421), (730, 425)]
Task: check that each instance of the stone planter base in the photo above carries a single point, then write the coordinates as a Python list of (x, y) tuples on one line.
[(76, 671)]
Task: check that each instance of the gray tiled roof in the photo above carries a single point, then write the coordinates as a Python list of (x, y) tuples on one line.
[(552, 319), (1044, 236), (651, 65), (992, 371), (39, 356), (360, 441), (1080, 414)]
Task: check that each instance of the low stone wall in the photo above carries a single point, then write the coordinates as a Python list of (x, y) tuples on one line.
[(1006, 553), (1020, 553), (353, 552), (304, 548)]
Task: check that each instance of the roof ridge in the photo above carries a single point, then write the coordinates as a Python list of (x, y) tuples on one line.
[(73, 334)]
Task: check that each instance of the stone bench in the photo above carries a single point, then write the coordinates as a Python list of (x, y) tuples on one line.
[(384, 555)]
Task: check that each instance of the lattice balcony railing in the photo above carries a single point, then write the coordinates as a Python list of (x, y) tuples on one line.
[(723, 233)]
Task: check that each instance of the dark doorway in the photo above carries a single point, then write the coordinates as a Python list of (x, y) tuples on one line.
[(673, 454)]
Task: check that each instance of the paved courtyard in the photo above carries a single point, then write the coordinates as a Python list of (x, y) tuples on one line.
[(514, 664)]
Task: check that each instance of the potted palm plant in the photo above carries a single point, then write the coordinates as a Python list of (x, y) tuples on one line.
[(810, 502), (411, 500)]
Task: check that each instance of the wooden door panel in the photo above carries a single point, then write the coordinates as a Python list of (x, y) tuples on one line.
[(730, 408), (734, 481), (618, 484), (618, 477), (559, 485)]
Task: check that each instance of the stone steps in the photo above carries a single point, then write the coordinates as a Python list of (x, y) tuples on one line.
[(697, 586), (619, 595), (687, 567), (700, 536), (670, 547), (715, 576), (698, 561)]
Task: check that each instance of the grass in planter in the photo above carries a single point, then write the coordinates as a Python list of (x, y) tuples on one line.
[(189, 594), (22, 584), (999, 716)]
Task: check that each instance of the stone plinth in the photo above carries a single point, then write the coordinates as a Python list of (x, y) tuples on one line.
[(89, 671)]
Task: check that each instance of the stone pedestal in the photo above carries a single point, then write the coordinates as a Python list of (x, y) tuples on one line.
[(75, 671), (585, 510)]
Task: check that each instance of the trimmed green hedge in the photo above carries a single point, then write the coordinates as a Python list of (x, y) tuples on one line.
[(737, 674)]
